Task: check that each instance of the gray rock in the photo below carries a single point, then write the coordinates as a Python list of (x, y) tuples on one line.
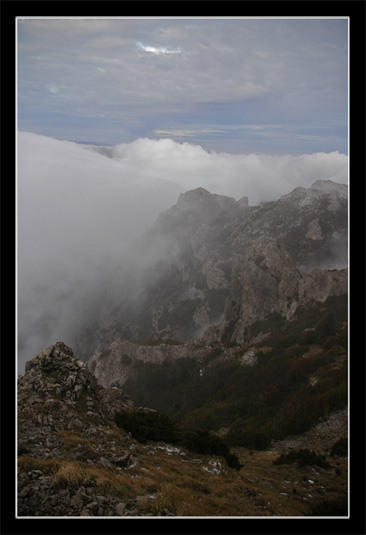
[(120, 509)]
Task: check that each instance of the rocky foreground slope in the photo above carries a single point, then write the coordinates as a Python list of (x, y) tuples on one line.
[(74, 461)]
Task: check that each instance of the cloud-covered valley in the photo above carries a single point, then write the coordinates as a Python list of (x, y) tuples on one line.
[(82, 208)]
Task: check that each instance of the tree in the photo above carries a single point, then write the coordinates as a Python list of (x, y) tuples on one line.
[(327, 327)]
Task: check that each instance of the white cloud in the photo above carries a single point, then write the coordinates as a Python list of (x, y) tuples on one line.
[(158, 50), (53, 89), (259, 176)]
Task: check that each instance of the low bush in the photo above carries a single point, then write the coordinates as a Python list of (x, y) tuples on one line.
[(251, 439), (303, 457), (148, 425), (152, 426), (204, 442), (340, 448)]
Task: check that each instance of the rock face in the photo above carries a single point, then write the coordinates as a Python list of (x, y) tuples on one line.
[(112, 366), (211, 266), (65, 418), (116, 365), (58, 392), (278, 288)]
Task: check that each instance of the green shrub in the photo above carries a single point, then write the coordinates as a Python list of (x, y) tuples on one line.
[(340, 448), (152, 426), (148, 425), (272, 399), (204, 442), (303, 409), (307, 337), (213, 354), (285, 341), (260, 441), (303, 457), (246, 436), (296, 380), (326, 328)]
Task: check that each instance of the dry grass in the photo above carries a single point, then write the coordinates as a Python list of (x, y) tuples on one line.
[(48, 466), (259, 489), (183, 485)]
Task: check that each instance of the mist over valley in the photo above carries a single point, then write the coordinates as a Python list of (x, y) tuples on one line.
[(83, 212)]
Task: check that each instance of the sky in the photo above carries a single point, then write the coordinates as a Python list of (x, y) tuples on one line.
[(274, 86)]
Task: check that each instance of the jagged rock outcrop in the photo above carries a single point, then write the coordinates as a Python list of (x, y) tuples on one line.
[(65, 420), (280, 288), (211, 266), (58, 392)]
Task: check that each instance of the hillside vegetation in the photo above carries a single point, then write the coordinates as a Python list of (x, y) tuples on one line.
[(299, 376)]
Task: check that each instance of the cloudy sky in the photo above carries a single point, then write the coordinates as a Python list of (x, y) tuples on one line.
[(235, 85)]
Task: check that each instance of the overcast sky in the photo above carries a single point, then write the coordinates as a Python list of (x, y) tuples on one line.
[(237, 85)]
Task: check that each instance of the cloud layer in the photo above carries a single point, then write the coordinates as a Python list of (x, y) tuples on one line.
[(259, 176), (81, 209)]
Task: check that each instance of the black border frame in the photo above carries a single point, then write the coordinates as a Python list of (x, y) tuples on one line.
[(355, 10)]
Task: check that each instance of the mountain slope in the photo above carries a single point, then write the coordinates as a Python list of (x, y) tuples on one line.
[(211, 266)]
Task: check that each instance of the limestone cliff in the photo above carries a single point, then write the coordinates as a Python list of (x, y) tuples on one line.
[(211, 266)]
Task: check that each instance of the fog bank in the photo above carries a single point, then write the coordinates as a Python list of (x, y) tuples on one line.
[(82, 208)]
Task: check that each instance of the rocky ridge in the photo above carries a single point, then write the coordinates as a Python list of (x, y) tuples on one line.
[(277, 286), (211, 266)]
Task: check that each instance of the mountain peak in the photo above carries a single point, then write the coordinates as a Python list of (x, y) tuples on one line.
[(202, 195), (197, 193), (328, 186)]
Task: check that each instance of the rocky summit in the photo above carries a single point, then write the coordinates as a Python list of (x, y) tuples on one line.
[(212, 266)]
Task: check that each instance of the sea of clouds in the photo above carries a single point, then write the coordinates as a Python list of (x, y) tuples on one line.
[(81, 209)]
